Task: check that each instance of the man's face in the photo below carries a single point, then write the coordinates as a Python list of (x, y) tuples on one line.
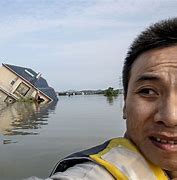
[(151, 106)]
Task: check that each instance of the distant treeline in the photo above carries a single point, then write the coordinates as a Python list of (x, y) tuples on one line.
[(107, 92), (111, 92)]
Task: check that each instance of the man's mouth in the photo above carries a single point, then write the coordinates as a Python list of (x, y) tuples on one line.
[(165, 143)]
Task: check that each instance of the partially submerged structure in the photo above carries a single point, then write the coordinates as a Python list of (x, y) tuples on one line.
[(23, 83)]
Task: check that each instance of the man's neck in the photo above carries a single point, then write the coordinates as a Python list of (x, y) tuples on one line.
[(172, 175)]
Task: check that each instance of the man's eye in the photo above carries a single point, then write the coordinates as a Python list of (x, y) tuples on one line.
[(147, 92)]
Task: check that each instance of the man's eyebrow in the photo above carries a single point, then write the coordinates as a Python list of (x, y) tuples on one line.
[(147, 77)]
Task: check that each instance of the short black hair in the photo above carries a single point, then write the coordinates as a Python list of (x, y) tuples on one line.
[(160, 34)]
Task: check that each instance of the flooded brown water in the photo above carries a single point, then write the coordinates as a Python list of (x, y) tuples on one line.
[(33, 138)]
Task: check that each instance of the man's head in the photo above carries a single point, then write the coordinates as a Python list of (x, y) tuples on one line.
[(150, 84), (161, 34)]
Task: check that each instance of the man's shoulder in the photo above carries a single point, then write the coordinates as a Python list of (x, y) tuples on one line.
[(78, 158), (85, 171), (84, 155)]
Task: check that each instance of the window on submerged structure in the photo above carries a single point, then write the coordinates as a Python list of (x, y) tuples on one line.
[(13, 81), (22, 89)]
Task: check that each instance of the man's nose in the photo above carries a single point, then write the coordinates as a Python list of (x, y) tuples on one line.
[(167, 113)]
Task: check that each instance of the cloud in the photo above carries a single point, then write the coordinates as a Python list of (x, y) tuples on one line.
[(101, 14), (69, 38)]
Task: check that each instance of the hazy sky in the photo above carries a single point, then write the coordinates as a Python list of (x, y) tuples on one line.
[(75, 44)]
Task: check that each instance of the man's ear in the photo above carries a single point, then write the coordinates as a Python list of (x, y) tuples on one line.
[(124, 111)]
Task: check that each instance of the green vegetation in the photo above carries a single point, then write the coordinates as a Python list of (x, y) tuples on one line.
[(111, 92)]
